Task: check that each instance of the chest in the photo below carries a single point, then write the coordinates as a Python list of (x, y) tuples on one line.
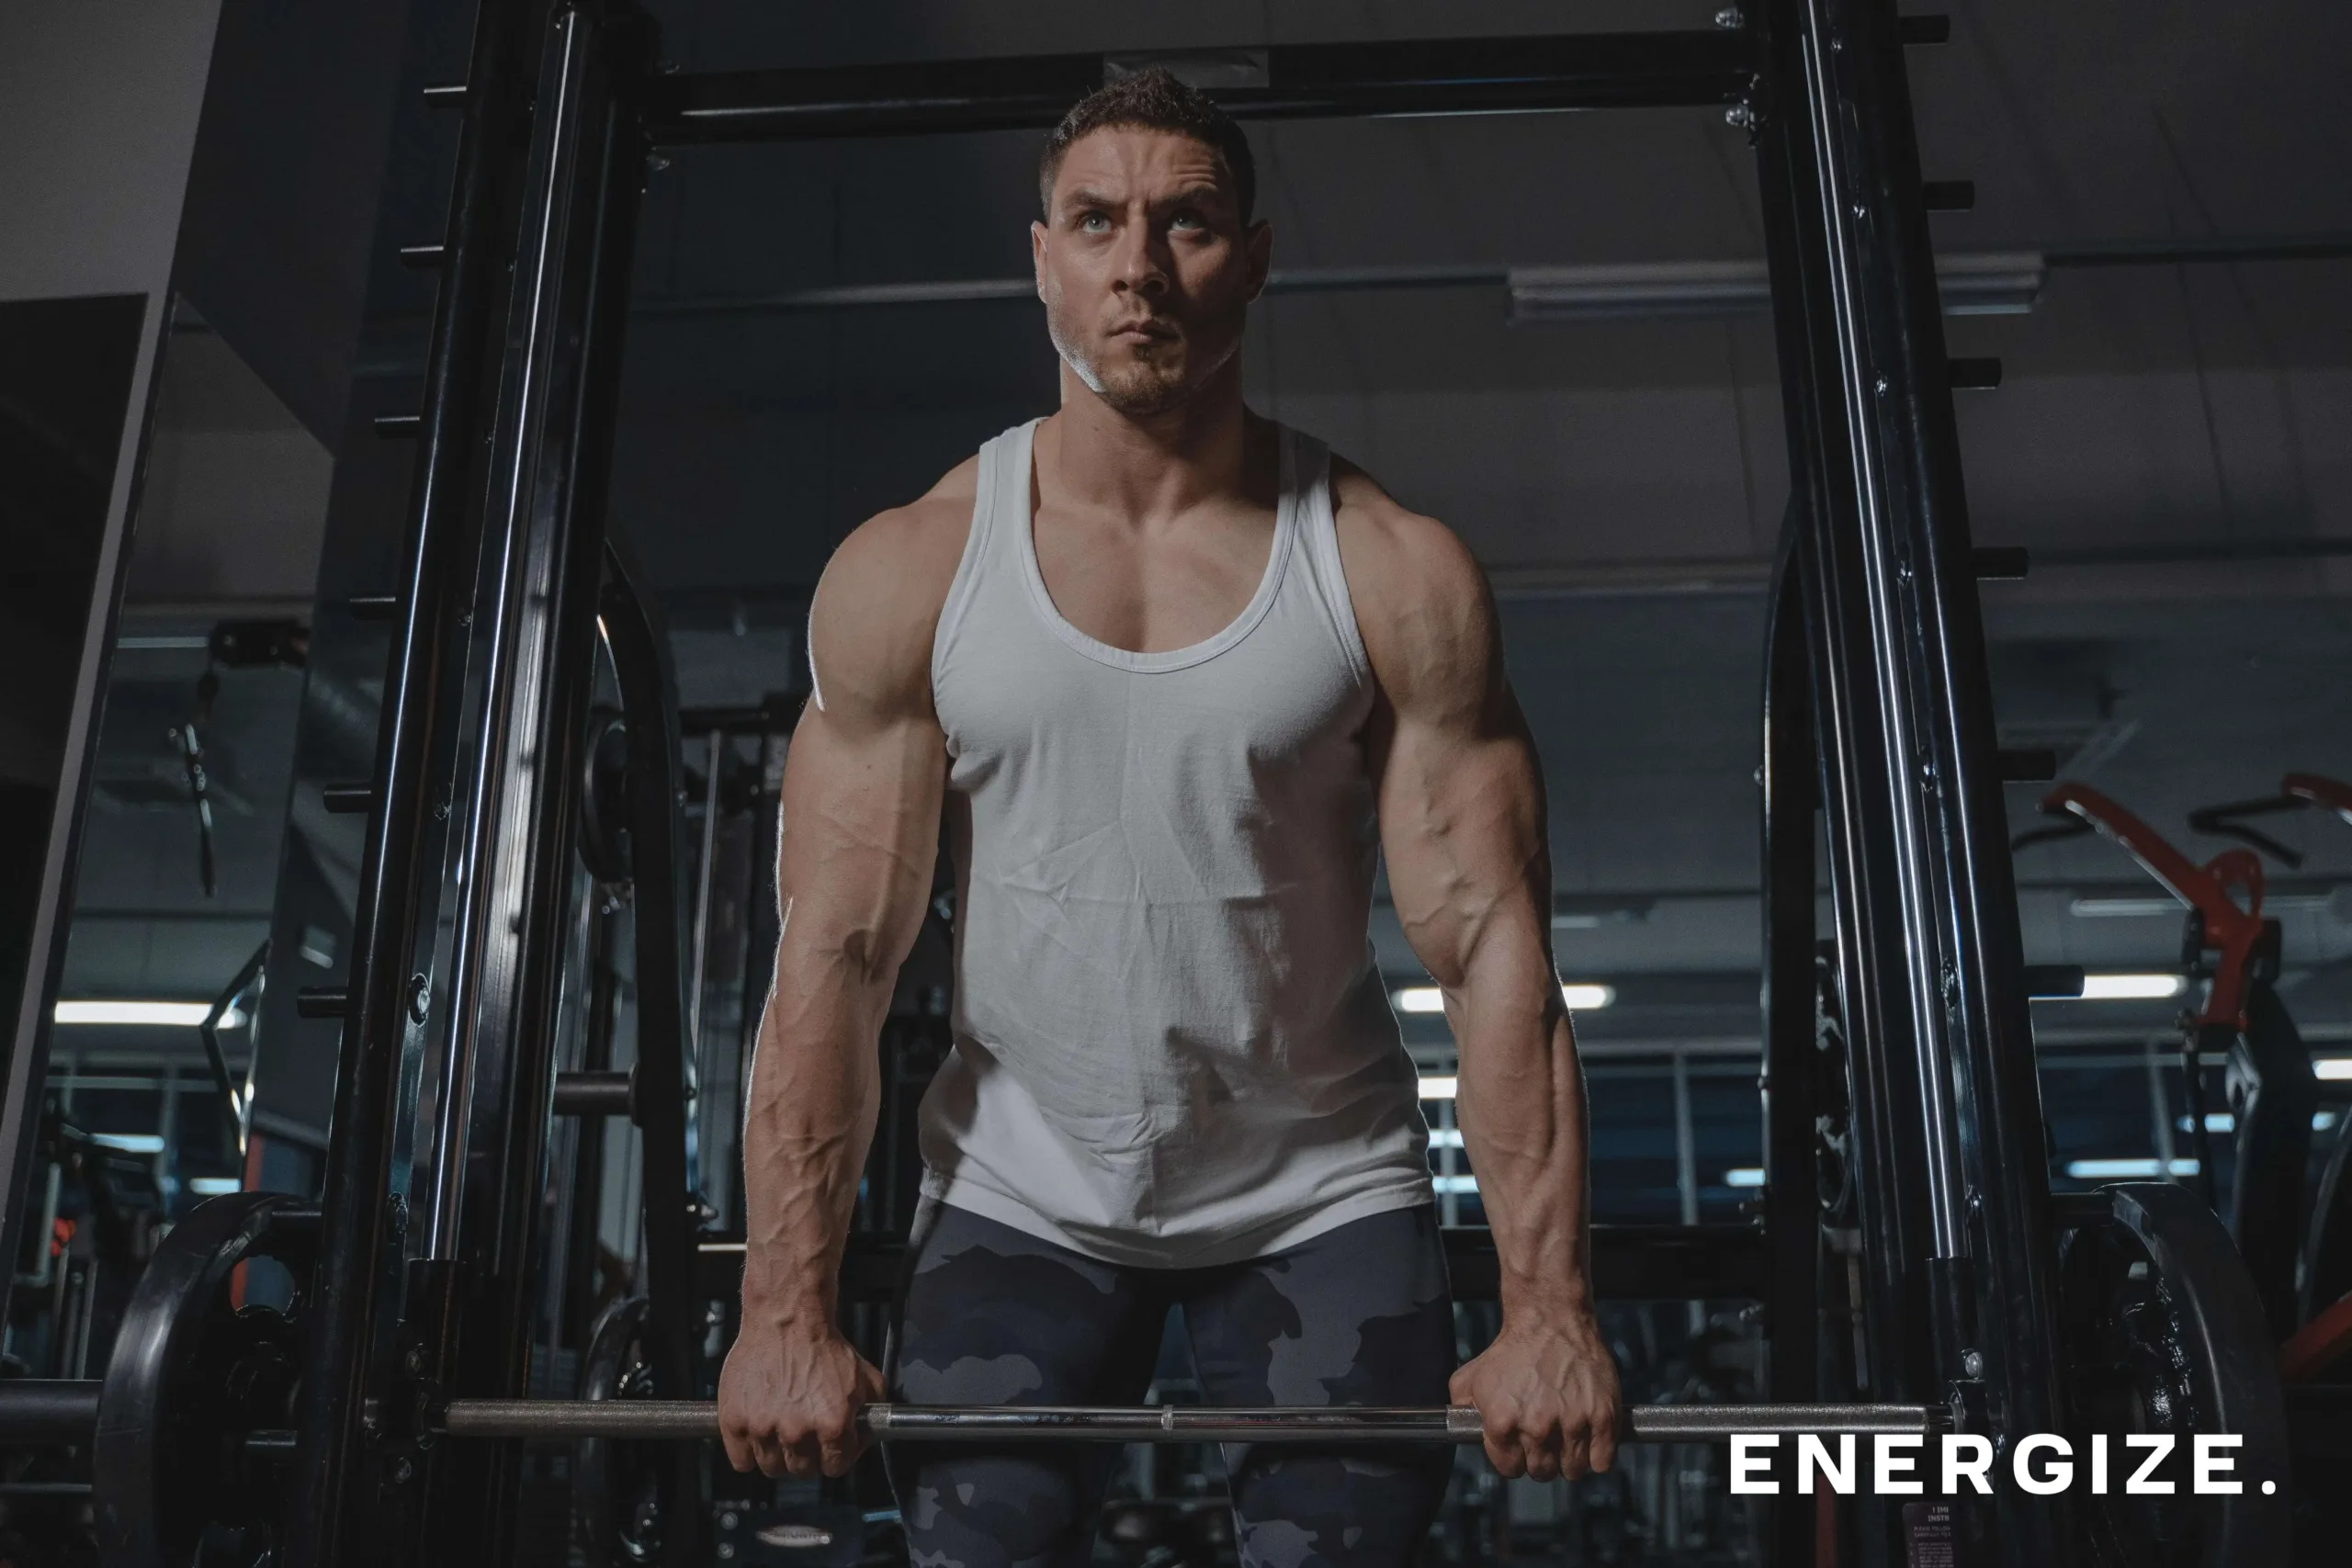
[(1156, 589), (1266, 707)]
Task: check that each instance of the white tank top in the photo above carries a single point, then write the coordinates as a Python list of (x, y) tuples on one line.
[(1172, 1045)]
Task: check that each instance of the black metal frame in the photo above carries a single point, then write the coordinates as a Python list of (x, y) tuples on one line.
[(365, 1185), (482, 724), (1878, 708), (1959, 1245), (1583, 71)]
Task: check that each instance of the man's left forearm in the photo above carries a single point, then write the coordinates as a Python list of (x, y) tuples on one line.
[(1522, 1106)]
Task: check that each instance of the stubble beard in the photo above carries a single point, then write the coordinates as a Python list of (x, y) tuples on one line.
[(1143, 386)]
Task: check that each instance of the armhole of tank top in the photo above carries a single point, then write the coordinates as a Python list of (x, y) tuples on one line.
[(1321, 515), (963, 585)]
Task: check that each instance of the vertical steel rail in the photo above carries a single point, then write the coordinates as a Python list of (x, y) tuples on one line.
[(526, 528), (1791, 1212), (1884, 1117), (361, 1220), (473, 1288), (1930, 952)]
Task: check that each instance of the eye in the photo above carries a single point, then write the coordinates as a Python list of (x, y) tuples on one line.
[(1185, 221), (1092, 223)]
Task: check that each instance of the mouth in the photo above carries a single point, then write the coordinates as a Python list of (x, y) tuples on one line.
[(1143, 332)]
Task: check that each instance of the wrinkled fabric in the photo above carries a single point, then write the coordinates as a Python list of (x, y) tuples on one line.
[(1361, 1315), (1172, 1044)]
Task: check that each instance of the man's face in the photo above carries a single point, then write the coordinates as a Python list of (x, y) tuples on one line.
[(1145, 267)]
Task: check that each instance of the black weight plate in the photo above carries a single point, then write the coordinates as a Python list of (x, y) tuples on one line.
[(620, 1491), (604, 798), (190, 1374), (2164, 1332)]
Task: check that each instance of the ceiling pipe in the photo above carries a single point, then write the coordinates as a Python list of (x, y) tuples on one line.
[(1976, 283), (1996, 283), (2001, 283)]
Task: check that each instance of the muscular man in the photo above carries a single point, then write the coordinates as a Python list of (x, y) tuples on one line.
[(1177, 676)]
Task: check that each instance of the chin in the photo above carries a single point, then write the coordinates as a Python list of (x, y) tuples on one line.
[(1145, 394), (1135, 385)]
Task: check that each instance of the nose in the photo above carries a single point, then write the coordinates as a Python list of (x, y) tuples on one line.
[(1140, 264)]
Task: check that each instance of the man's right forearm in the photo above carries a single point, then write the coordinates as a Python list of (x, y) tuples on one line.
[(815, 1086)]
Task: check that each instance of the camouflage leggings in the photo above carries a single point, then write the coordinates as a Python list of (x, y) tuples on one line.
[(1358, 1315)]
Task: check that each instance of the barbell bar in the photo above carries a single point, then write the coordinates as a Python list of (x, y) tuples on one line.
[(685, 1419), (35, 1411)]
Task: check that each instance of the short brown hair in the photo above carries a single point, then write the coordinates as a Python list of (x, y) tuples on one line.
[(1152, 99)]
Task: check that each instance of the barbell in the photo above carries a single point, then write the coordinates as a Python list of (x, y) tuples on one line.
[(189, 1432), (641, 1420), (40, 1410)]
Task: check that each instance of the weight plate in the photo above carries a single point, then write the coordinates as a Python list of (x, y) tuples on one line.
[(604, 798), (620, 1490), (193, 1373), (2165, 1333)]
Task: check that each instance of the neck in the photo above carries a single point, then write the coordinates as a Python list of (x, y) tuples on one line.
[(1149, 467)]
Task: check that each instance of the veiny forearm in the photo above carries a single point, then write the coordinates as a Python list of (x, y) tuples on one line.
[(1472, 881), (812, 1101), (1521, 1107), (861, 828)]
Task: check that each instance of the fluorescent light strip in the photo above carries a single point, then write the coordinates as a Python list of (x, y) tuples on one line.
[(213, 1186), (1439, 1085), (2092, 908), (2002, 283), (1445, 1137), (2123, 909), (139, 1014), (1744, 1175), (174, 1015), (2132, 987), (131, 1143), (2223, 1121), (1581, 996), (1456, 1184), (2334, 1069), (2124, 1170)]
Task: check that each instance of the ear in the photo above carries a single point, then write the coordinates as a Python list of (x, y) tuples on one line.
[(1258, 247), (1037, 256)]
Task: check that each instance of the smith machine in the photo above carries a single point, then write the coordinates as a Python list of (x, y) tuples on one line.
[(374, 1419)]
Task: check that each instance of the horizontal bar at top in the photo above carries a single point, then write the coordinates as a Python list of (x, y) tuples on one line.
[(682, 1419), (1412, 76)]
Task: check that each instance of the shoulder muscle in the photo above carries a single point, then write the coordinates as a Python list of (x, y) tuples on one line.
[(877, 605), (1422, 605)]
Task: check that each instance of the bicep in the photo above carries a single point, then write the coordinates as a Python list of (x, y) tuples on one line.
[(1460, 795), (860, 834), (1462, 826), (863, 775)]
